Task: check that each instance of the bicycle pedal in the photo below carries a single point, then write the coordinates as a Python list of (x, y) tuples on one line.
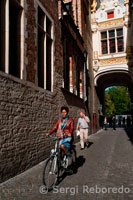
[(51, 173), (68, 170)]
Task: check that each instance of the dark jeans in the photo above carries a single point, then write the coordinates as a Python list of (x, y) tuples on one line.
[(105, 126), (114, 127)]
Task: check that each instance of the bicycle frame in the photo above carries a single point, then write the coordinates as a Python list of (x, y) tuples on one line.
[(55, 152), (54, 166)]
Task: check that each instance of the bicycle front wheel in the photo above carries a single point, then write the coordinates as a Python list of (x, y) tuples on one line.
[(50, 172), (73, 154)]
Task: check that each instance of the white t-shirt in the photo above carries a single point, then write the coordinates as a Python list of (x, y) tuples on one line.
[(82, 123)]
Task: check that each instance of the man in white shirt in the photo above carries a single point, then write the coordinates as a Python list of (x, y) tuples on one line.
[(83, 124)]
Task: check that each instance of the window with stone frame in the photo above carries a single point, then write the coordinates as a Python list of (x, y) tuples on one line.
[(120, 43), (110, 15), (45, 46), (15, 12), (10, 37), (2, 34), (66, 64), (104, 45), (112, 41), (112, 45), (48, 53)]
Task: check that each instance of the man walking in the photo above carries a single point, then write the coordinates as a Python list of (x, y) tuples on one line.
[(83, 124)]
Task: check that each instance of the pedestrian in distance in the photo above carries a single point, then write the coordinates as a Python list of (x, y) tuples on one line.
[(114, 123), (119, 122), (83, 125), (105, 123), (124, 121)]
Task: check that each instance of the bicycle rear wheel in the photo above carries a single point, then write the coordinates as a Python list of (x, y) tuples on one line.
[(50, 172)]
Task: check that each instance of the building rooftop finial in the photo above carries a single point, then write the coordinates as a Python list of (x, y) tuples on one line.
[(93, 6)]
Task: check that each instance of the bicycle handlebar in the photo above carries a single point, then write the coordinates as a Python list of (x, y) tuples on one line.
[(55, 137)]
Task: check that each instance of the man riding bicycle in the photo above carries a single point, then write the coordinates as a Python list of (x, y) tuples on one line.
[(64, 127)]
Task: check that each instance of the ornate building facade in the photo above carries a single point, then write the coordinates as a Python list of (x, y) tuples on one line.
[(109, 26), (110, 21), (130, 37)]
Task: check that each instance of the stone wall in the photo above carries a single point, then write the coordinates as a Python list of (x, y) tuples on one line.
[(27, 113), (30, 54)]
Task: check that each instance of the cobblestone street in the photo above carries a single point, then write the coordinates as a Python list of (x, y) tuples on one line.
[(104, 171)]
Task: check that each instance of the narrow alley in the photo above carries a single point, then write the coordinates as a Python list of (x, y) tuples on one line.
[(103, 171)]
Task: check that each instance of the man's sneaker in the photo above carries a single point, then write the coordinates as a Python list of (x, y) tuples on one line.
[(82, 149)]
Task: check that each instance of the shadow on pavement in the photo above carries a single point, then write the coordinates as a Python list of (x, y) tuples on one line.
[(74, 168), (90, 143), (129, 132)]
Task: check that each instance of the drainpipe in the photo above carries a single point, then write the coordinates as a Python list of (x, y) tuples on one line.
[(85, 55), (77, 22)]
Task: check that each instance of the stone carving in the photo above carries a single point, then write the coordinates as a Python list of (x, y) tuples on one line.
[(95, 54), (113, 61), (95, 68), (93, 6), (109, 3), (129, 50), (126, 1), (106, 24)]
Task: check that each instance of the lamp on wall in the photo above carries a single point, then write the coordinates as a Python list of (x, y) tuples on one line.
[(131, 5), (85, 86), (85, 56)]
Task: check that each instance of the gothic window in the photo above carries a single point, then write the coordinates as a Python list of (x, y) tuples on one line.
[(2, 35), (120, 45), (45, 47), (112, 41), (15, 11), (48, 53), (11, 37), (104, 42)]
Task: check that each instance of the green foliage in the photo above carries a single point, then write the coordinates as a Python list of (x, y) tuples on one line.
[(117, 101), (109, 106)]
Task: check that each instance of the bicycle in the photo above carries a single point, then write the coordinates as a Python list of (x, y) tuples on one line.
[(54, 166)]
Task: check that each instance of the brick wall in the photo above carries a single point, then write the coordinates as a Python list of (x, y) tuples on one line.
[(27, 113), (30, 8)]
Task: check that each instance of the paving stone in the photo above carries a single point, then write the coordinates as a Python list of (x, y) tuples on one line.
[(103, 171)]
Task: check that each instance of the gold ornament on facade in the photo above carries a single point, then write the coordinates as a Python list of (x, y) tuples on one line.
[(93, 6), (129, 50), (95, 68), (110, 23), (95, 64), (95, 54), (126, 1), (113, 61), (130, 64)]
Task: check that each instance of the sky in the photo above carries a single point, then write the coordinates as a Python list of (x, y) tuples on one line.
[(98, 1), (122, 1)]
